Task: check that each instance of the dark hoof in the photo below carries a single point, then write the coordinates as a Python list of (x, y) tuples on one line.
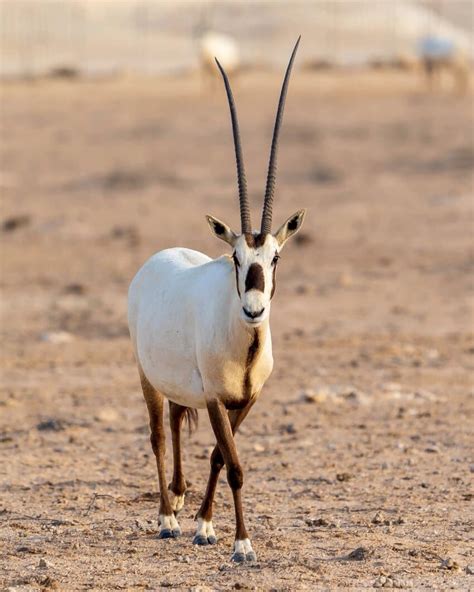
[(199, 539), (166, 533), (211, 540), (176, 532), (238, 557), (251, 556)]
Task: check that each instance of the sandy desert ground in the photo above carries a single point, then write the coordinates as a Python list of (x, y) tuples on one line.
[(358, 456)]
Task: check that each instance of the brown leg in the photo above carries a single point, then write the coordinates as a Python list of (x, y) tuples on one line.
[(236, 417), (223, 431), (154, 401), (178, 483)]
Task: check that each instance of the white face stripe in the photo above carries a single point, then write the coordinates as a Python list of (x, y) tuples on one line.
[(262, 255)]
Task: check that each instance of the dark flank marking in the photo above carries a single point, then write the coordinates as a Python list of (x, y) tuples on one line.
[(255, 240), (255, 279), (251, 357), (246, 398)]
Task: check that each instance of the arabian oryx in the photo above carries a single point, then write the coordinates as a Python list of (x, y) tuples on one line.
[(201, 334)]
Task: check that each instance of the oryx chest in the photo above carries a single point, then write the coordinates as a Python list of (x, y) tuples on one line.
[(239, 378)]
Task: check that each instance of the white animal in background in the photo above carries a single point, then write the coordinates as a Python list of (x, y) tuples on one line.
[(201, 333), (212, 44), (440, 55)]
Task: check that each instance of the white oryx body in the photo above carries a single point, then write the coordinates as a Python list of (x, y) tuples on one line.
[(186, 324), (201, 335)]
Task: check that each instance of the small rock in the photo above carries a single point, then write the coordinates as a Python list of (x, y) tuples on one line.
[(51, 425), (107, 415), (289, 428), (74, 288), (312, 396), (352, 395), (402, 583), (15, 222), (57, 337), (44, 564), (343, 477), (270, 544), (470, 570), (258, 448), (49, 582), (359, 554), (129, 233), (450, 564), (145, 526), (317, 522), (379, 518), (432, 449), (380, 582)]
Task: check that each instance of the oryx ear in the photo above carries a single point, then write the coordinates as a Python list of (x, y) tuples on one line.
[(290, 227), (221, 230)]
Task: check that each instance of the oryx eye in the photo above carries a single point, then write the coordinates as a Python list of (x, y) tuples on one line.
[(236, 261), (275, 259)]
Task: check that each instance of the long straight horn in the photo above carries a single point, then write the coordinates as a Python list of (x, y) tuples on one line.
[(241, 180), (271, 176)]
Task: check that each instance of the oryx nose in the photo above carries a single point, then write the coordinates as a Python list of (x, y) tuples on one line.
[(253, 315)]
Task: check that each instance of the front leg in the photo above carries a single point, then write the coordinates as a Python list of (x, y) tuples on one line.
[(205, 534), (225, 440)]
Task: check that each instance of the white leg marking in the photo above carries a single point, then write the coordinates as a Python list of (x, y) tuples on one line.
[(205, 534), (169, 527), (243, 551)]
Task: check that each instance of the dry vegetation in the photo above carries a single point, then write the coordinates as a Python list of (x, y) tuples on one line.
[(358, 457)]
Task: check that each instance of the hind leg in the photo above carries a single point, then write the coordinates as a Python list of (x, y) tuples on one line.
[(168, 524), (178, 483)]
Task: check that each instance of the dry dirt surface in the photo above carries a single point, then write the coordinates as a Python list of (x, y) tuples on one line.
[(358, 456)]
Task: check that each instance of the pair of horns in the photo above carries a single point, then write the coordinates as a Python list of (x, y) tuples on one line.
[(271, 176)]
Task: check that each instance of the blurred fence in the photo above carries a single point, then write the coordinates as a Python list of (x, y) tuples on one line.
[(94, 36)]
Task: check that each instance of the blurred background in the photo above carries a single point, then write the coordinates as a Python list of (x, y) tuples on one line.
[(115, 142)]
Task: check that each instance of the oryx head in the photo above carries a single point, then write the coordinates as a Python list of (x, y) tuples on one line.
[(256, 253)]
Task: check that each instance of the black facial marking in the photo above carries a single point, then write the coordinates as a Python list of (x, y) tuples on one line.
[(219, 228), (255, 240), (273, 281), (237, 279), (255, 279)]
